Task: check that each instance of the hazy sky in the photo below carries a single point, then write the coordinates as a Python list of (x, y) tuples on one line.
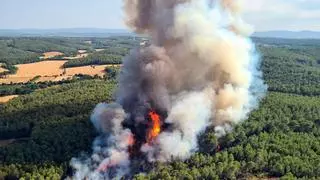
[(263, 14)]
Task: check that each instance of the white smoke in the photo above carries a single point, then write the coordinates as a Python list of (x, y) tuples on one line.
[(201, 69), (110, 150), (190, 114), (197, 45)]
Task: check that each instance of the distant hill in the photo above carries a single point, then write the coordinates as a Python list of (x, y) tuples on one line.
[(289, 34), (97, 32), (71, 32)]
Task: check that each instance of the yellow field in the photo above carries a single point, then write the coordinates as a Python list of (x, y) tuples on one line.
[(52, 54), (43, 68), (89, 70), (50, 71), (5, 99), (2, 70)]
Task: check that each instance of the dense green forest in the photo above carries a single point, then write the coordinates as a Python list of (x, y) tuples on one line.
[(292, 68), (21, 50), (29, 87), (43, 128), (96, 58), (115, 48), (49, 127), (29, 49), (9, 69)]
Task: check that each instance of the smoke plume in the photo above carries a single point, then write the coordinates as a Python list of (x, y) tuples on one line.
[(200, 70)]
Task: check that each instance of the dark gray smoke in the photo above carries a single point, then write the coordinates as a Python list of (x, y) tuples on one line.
[(200, 70)]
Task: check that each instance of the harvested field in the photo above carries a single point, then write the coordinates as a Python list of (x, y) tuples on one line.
[(4, 99), (43, 68), (50, 71), (52, 54), (2, 70), (89, 70)]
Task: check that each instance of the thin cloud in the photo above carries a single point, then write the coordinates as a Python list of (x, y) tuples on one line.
[(283, 14)]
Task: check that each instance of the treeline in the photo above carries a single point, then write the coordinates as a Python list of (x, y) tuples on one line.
[(11, 56), (31, 86), (42, 44), (292, 69), (116, 41), (115, 49), (121, 51), (283, 42), (21, 50), (111, 73), (54, 126), (97, 58), (30, 171), (9, 69)]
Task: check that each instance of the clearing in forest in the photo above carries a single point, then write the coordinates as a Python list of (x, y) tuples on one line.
[(4, 99), (50, 71), (51, 54)]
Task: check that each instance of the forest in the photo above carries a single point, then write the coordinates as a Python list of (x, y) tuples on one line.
[(21, 50), (48, 124), (96, 58)]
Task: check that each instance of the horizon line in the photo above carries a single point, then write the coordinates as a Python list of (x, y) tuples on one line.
[(127, 29)]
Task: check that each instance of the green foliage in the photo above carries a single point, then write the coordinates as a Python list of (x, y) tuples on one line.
[(35, 78), (10, 69), (281, 139), (40, 45), (45, 171), (115, 42), (115, 48), (112, 72), (49, 126), (29, 87), (21, 50), (11, 55), (97, 58), (292, 68)]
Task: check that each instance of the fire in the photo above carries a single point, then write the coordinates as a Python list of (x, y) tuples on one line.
[(131, 141), (103, 167), (156, 126)]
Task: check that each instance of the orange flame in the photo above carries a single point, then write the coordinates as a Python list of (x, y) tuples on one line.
[(156, 126), (104, 166)]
